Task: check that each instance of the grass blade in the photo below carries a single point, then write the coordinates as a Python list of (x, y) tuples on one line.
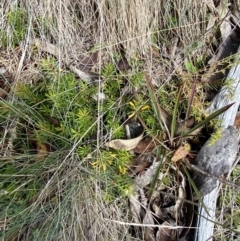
[(175, 111), (209, 118), (195, 188), (163, 117)]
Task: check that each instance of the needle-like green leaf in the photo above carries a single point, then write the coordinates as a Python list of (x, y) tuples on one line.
[(209, 118), (175, 111)]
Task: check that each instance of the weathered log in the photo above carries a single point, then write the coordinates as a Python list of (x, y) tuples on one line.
[(228, 94)]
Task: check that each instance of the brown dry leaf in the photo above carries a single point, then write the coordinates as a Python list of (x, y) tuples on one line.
[(190, 122), (120, 144), (141, 163), (145, 146), (237, 121), (181, 152), (3, 92), (166, 234), (123, 64), (42, 151), (89, 62)]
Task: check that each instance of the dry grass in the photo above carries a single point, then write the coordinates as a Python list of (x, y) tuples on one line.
[(159, 34), (109, 25)]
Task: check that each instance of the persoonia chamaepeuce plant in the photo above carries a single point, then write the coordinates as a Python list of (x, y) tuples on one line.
[(50, 149)]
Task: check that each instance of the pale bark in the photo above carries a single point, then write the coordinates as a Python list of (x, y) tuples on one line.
[(228, 94)]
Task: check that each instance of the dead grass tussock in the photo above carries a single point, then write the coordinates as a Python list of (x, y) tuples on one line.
[(77, 25), (175, 29)]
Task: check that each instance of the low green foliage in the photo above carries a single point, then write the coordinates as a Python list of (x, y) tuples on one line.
[(57, 175), (18, 20), (58, 119), (58, 128)]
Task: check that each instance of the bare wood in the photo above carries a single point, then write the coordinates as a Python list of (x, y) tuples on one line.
[(228, 95)]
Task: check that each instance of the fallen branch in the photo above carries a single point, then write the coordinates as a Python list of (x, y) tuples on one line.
[(227, 95)]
